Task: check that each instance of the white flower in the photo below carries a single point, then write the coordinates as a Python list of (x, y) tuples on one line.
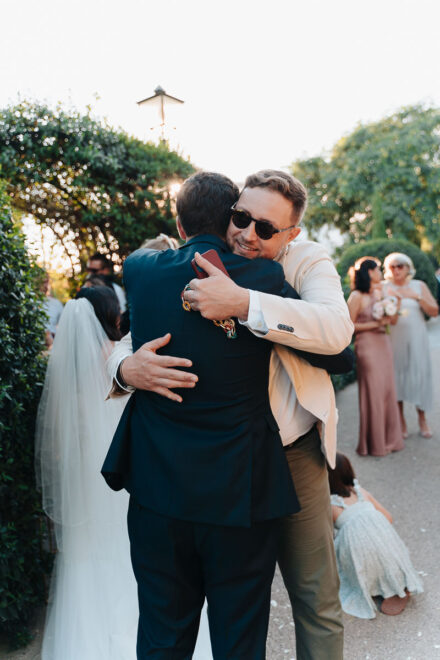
[(390, 307), (384, 307), (378, 310)]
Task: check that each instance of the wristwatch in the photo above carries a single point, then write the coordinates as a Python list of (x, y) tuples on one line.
[(119, 379)]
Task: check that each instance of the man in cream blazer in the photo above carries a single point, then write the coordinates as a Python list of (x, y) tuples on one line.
[(302, 397)]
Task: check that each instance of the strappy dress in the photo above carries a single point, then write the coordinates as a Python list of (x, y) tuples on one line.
[(380, 431)]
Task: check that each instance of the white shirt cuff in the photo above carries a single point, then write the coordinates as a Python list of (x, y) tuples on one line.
[(255, 320), (125, 388), (116, 389)]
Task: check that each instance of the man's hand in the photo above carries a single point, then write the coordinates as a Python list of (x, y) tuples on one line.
[(217, 297), (145, 370)]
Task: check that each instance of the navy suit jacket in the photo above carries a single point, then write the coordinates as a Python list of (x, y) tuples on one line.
[(217, 457)]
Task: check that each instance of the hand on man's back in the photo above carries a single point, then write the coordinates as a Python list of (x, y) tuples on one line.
[(145, 370)]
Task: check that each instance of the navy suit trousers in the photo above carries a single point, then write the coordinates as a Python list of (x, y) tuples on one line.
[(177, 562)]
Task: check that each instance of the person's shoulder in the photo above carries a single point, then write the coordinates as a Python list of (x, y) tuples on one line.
[(306, 248), (138, 258), (260, 274), (306, 244), (258, 264), (355, 296), (140, 253), (302, 257), (419, 286)]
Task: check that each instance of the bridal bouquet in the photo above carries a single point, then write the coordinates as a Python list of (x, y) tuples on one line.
[(385, 307)]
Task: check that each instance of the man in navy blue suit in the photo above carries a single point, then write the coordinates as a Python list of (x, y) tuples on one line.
[(207, 477)]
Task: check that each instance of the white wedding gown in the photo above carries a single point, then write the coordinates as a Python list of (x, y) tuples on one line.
[(93, 610)]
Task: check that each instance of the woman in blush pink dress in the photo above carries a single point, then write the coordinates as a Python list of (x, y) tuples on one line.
[(380, 431)]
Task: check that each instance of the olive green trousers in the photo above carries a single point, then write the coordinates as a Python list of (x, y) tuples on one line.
[(307, 556)]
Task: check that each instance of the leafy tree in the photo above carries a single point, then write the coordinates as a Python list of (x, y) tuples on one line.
[(23, 563), (89, 183), (383, 176), (379, 229)]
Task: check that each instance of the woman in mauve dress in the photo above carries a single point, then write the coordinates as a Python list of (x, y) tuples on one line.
[(380, 430)]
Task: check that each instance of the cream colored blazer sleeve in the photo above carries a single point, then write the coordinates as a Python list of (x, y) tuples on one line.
[(320, 321)]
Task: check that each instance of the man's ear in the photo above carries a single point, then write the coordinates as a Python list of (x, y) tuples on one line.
[(293, 233), (180, 229)]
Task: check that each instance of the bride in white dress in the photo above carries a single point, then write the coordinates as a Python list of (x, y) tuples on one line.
[(93, 610)]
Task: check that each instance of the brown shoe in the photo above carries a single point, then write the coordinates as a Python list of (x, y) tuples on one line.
[(394, 605)]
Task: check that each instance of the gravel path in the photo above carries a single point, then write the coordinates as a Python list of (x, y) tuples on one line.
[(407, 483)]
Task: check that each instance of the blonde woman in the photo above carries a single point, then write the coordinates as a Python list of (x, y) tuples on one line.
[(161, 242), (409, 338)]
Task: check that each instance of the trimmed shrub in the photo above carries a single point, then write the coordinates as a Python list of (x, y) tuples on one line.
[(342, 380), (23, 564), (380, 248)]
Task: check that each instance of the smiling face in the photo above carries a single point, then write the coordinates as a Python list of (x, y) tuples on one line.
[(263, 204), (400, 272)]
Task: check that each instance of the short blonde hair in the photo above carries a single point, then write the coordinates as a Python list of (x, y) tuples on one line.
[(161, 242), (400, 258)]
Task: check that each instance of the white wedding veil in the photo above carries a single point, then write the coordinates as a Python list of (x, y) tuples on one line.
[(75, 423), (93, 609)]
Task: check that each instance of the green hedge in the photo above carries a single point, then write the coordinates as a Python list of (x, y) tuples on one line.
[(380, 248), (23, 564)]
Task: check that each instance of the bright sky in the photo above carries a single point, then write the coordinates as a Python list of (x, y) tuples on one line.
[(264, 82)]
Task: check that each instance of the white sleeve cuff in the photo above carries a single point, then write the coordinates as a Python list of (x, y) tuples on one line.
[(126, 388), (255, 320), (116, 389)]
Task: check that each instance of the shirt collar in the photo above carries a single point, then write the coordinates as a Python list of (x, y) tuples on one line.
[(207, 239)]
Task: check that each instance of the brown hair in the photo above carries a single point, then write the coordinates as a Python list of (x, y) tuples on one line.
[(106, 307), (359, 274), (286, 184), (341, 479), (204, 203)]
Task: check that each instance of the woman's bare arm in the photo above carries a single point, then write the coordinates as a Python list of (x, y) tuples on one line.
[(354, 304)]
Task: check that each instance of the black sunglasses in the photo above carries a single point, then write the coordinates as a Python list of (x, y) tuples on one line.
[(263, 228)]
